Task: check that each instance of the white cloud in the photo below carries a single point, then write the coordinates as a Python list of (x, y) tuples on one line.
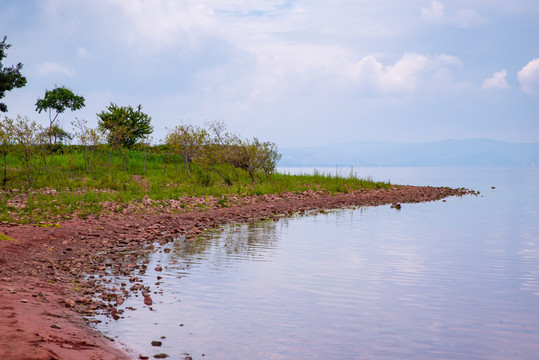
[(149, 25), (529, 77), (469, 18), (496, 81), (408, 74), (434, 13), (165, 22), (48, 68), (463, 18)]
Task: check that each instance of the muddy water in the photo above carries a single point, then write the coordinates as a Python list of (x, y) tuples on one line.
[(448, 280)]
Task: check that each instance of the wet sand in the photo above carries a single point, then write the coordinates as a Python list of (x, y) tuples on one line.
[(46, 293)]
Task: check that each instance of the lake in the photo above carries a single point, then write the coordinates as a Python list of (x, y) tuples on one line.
[(454, 279)]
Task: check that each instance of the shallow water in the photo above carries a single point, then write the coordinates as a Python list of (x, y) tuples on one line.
[(448, 280)]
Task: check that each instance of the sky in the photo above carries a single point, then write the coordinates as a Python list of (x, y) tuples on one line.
[(298, 73)]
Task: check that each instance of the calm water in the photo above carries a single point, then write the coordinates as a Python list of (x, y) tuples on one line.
[(442, 280)]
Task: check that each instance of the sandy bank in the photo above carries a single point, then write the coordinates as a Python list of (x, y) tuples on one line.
[(44, 293)]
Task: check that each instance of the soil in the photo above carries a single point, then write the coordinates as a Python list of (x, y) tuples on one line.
[(52, 277)]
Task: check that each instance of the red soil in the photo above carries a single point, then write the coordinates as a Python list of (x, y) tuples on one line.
[(43, 290)]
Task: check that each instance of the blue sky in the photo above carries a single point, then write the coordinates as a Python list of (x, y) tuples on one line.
[(299, 73)]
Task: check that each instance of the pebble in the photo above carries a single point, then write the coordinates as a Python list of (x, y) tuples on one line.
[(156, 343), (161, 356)]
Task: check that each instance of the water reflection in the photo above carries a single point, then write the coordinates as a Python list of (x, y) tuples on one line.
[(444, 280), (226, 245)]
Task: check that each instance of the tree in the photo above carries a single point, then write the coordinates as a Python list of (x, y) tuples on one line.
[(58, 100), (253, 156), (89, 139), (186, 140), (125, 125), (10, 77), (218, 150), (27, 136), (6, 146)]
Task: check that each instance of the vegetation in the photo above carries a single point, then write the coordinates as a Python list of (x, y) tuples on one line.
[(58, 100), (124, 126), (10, 77), (44, 184), (114, 166)]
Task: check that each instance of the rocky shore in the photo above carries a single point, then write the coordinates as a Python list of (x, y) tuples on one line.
[(53, 276)]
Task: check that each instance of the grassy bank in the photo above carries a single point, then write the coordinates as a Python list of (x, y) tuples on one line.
[(74, 180)]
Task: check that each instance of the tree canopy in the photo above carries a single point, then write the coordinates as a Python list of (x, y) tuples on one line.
[(10, 77), (124, 125), (58, 100)]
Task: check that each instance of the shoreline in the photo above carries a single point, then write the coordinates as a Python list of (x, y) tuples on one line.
[(44, 290)]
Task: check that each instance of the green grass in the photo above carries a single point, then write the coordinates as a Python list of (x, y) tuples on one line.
[(4, 237), (63, 188)]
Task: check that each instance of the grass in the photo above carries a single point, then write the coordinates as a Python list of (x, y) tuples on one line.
[(4, 237), (64, 188)]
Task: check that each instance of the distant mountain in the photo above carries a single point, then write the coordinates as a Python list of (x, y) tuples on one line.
[(475, 152)]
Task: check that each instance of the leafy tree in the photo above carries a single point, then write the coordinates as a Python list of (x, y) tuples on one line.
[(10, 77), (269, 157), (254, 156), (186, 140), (58, 100), (219, 150), (124, 125)]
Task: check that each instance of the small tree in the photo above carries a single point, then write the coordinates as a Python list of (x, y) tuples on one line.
[(27, 136), (10, 77), (116, 135), (218, 150), (250, 157), (6, 146), (186, 141), (60, 135), (269, 158), (89, 139), (57, 101), (254, 156), (124, 124)]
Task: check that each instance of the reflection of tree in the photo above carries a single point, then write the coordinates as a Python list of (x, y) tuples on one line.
[(235, 242)]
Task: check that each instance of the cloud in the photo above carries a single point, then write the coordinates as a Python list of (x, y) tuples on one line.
[(434, 13), (469, 18), (409, 73), (463, 18), (48, 68), (528, 77), (148, 25), (164, 22), (496, 81)]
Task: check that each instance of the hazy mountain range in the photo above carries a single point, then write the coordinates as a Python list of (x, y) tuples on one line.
[(475, 152)]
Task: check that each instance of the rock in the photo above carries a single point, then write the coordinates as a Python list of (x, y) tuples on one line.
[(69, 303), (156, 343), (158, 268), (148, 301), (161, 356)]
